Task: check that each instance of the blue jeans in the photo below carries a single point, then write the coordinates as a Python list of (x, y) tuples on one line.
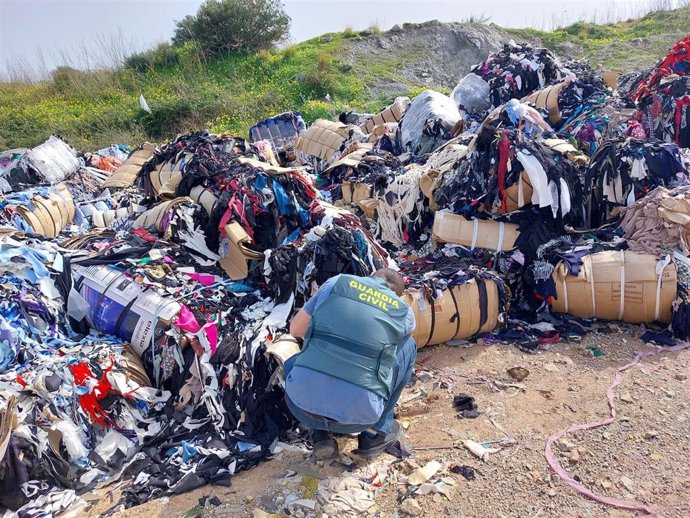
[(402, 371)]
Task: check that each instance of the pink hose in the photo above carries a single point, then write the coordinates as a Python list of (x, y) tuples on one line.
[(565, 476)]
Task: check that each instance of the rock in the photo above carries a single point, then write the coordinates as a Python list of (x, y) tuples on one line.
[(367, 32), (669, 394), (267, 502), (574, 457), (326, 38), (651, 434), (681, 377), (564, 445), (626, 398), (301, 77), (550, 367), (607, 435), (425, 376), (628, 484), (518, 373), (410, 507), (552, 492), (605, 484), (396, 28)]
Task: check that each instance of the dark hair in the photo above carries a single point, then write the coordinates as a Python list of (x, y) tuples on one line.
[(394, 280)]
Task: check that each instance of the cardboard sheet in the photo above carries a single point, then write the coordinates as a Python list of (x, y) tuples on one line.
[(354, 192), (49, 215), (392, 113), (322, 139), (235, 252), (125, 174), (548, 99)]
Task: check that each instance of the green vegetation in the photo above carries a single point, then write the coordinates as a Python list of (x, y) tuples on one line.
[(186, 89), (349, 32), (245, 26), (228, 94), (620, 46), (375, 28)]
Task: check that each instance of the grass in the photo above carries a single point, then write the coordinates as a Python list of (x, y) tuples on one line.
[(349, 32), (623, 45), (230, 94)]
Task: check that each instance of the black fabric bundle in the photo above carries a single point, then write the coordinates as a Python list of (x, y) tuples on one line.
[(518, 70), (622, 171)]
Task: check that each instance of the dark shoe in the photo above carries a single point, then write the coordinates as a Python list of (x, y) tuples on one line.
[(370, 445), (466, 406), (325, 446)]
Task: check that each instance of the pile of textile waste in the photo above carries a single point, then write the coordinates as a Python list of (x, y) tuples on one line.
[(142, 289)]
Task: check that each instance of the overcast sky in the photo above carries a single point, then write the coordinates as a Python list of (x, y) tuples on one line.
[(48, 33)]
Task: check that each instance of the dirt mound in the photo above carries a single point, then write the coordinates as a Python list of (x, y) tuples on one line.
[(432, 53)]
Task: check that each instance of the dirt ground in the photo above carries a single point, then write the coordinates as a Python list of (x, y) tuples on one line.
[(643, 456)]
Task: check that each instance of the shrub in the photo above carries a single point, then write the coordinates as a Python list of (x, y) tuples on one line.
[(190, 56), (224, 26), (313, 109), (166, 116), (289, 52), (320, 80), (323, 65), (164, 56), (264, 55), (349, 32), (64, 77), (140, 62)]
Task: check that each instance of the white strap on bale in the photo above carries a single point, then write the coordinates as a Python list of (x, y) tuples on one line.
[(475, 231), (591, 285), (501, 235), (621, 310), (660, 267), (565, 292)]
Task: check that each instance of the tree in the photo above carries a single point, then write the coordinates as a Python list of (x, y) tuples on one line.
[(223, 26)]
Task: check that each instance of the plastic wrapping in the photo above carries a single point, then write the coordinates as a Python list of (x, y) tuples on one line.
[(472, 94), (54, 160), (428, 122)]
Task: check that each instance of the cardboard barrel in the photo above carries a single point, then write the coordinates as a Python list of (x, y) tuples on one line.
[(455, 229), (617, 285), (460, 312)]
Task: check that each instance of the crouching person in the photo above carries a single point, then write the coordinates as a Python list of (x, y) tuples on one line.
[(357, 357)]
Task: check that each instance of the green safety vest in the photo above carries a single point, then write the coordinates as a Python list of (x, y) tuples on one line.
[(355, 332)]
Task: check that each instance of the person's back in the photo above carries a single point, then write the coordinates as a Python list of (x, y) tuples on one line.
[(356, 359)]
